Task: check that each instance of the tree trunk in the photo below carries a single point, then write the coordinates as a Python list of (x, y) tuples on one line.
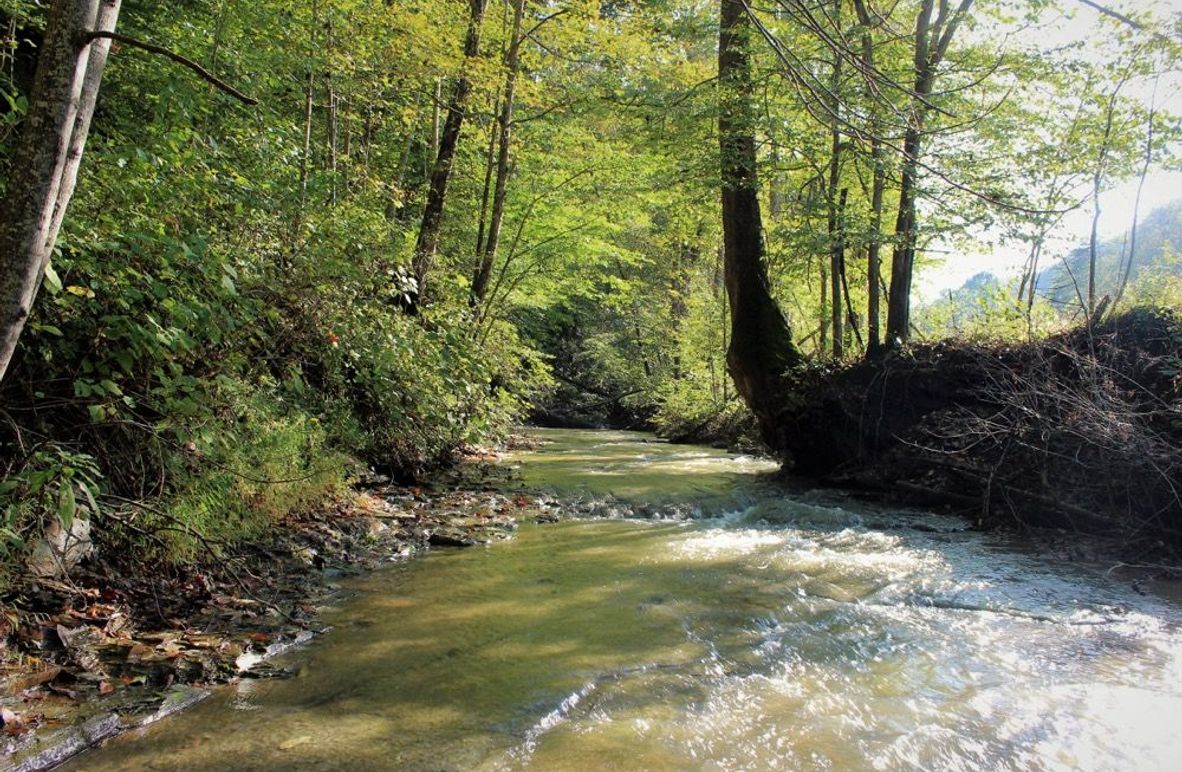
[(1097, 179), (47, 157), (689, 255), (1128, 267), (490, 165), (835, 248), (330, 141), (761, 353), (504, 143), (903, 253), (878, 186), (851, 318), (826, 317), (428, 238), (932, 38), (306, 156), (436, 101), (873, 260), (108, 15)]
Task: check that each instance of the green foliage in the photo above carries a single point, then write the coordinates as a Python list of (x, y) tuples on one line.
[(51, 483), (221, 329), (1162, 286), (987, 309), (212, 341)]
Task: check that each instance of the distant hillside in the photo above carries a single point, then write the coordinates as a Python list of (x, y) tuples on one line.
[(1157, 234)]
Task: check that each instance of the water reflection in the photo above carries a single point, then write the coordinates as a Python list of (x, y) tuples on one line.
[(787, 633)]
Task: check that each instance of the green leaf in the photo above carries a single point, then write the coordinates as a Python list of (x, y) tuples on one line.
[(52, 281), (90, 500), (67, 505)]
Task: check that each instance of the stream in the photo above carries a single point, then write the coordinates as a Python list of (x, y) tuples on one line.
[(736, 625)]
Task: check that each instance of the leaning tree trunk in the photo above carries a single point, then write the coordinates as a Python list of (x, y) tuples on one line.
[(761, 353), (428, 239), (48, 155)]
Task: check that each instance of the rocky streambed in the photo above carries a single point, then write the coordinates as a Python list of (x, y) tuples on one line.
[(105, 651)]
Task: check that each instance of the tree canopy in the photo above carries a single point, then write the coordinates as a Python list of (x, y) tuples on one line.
[(438, 211)]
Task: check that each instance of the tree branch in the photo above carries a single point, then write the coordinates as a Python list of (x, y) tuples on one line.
[(89, 37), (1112, 14)]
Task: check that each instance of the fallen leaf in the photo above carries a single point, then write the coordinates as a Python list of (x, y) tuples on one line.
[(105, 688), (33, 680)]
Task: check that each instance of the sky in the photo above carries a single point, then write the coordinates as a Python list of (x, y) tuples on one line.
[(1116, 203)]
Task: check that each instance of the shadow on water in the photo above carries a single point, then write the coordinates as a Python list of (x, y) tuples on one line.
[(790, 633)]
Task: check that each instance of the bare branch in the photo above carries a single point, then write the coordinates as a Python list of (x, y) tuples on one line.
[(205, 74)]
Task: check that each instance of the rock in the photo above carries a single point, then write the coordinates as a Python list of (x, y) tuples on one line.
[(447, 539), (371, 479), (82, 643), (61, 549), (17, 684), (68, 742)]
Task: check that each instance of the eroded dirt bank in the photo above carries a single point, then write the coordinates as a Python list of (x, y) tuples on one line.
[(1081, 431)]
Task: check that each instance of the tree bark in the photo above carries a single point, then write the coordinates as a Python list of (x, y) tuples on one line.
[(428, 238), (490, 165), (903, 253), (306, 156), (47, 158), (878, 187), (504, 144), (761, 354), (932, 38), (1128, 267), (835, 246), (108, 15), (826, 316)]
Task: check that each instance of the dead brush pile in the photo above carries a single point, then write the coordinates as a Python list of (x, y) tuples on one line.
[(1082, 430)]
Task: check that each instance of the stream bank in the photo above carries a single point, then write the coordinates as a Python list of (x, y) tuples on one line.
[(114, 647), (740, 625), (1081, 431)]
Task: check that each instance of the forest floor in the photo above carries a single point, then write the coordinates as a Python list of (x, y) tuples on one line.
[(118, 646)]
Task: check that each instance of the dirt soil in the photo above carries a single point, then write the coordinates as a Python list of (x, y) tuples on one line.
[(1080, 431)]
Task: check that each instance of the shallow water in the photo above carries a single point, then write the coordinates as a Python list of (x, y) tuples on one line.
[(792, 631)]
